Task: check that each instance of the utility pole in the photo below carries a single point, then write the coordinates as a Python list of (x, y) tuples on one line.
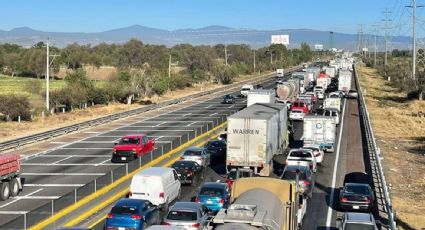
[(254, 61), (374, 53), (386, 20), (169, 72), (414, 6), (47, 75), (225, 53)]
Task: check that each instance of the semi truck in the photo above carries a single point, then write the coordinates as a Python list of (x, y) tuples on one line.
[(332, 103), (279, 73), (261, 96), (331, 71), (262, 203), (344, 81), (10, 182), (256, 134), (320, 130)]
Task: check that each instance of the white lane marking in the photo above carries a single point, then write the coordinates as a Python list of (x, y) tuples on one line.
[(13, 212), (151, 126), (157, 130), (58, 142), (184, 115), (213, 114), (63, 174), (208, 106), (200, 121), (75, 155), (330, 210), (155, 125), (37, 198), (64, 159), (231, 106), (69, 148), (53, 185), (148, 136), (157, 138), (98, 142), (190, 124), (91, 132), (62, 164), (20, 197), (163, 142), (103, 162)]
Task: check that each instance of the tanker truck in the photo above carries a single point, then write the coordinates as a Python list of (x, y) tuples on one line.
[(287, 91), (262, 203)]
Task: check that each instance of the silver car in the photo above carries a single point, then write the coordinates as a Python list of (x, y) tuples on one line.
[(197, 154), (190, 215), (355, 220)]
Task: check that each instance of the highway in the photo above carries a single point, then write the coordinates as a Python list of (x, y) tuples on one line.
[(75, 163)]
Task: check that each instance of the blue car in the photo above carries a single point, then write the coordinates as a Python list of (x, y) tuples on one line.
[(214, 195), (132, 214)]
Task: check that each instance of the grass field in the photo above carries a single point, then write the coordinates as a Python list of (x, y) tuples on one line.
[(401, 137)]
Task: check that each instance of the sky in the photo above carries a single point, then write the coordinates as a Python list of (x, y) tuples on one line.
[(101, 15)]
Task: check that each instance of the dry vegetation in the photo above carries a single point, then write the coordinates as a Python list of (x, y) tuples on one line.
[(12, 130), (401, 134)]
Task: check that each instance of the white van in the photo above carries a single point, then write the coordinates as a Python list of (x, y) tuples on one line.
[(159, 185), (246, 89)]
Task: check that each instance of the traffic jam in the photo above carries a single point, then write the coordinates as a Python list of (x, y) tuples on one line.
[(274, 147)]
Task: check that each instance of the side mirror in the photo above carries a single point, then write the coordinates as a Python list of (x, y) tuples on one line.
[(115, 143), (192, 199), (339, 218)]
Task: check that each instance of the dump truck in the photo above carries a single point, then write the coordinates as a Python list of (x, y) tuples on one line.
[(10, 182), (287, 91), (262, 203), (320, 130), (344, 81), (261, 96), (256, 134)]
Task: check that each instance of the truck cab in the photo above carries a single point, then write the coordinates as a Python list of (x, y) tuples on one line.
[(246, 89), (279, 72), (300, 105), (131, 147)]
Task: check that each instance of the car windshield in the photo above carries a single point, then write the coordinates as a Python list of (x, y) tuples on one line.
[(357, 189), (245, 89), (223, 136), (244, 174), (182, 215), (297, 111), (192, 153), (215, 144), (124, 210), (227, 97), (207, 191), (129, 141), (358, 226), (291, 175), (184, 165)]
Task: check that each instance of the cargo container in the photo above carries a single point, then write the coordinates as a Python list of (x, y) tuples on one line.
[(344, 81), (332, 103), (261, 96), (262, 203), (320, 130), (331, 71), (10, 182), (254, 135), (301, 78)]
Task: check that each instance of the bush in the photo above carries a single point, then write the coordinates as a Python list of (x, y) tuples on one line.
[(13, 106), (99, 96), (33, 86), (225, 74), (180, 81), (160, 85)]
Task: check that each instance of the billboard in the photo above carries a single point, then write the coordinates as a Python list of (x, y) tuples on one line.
[(318, 46), (280, 39)]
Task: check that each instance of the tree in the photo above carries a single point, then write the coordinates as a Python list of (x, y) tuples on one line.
[(225, 74)]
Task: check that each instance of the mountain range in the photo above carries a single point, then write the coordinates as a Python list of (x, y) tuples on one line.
[(210, 35)]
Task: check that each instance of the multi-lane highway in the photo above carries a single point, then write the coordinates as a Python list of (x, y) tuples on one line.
[(74, 163)]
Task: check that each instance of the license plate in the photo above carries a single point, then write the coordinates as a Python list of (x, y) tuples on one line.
[(356, 207), (123, 159), (178, 174), (209, 202)]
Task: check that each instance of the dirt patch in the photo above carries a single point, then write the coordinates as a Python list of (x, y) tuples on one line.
[(13, 130), (399, 127)]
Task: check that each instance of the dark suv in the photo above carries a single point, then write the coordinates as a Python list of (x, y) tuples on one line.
[(305, 177), (189, 172), (356, 196)]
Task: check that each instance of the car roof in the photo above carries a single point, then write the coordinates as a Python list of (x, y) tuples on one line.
[(359, 217), (193, 206), (214, 185), (311, 146), (130, 202), (356, 184), (295, 167), (134, 135), (195, 148)]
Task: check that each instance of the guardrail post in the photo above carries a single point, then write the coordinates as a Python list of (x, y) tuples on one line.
[(152, 152), (112, 176), (95, 185), (25, 221), (162, 150), (180, 140), (140, 161), (53, 210), (126, 167), (75, 195)]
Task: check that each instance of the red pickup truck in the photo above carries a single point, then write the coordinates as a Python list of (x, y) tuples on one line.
[(131, 147), (10, 182), (301, 105)]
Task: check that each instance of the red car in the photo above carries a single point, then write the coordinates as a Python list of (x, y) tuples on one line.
[(301, 105), (131, 147)]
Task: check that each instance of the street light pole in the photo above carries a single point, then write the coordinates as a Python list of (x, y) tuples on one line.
[(47, 76)]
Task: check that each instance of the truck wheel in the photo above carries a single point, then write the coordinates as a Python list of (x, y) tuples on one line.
[(14, 186), (5, 191)]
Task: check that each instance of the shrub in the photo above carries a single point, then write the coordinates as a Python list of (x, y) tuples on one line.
[(13, 106), (33, 86)]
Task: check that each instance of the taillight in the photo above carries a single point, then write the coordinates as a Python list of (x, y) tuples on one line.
[(197, 200), (344, 199), (317, 154), (181, 158), (311, 165), (368, 200), (189, 173), (129, 194), (110, 215), (110, 228), (197, 225), (286, 162), (161, 195), (136, 217), (165, 223), (307, 182), (221, 201), (114, 151)]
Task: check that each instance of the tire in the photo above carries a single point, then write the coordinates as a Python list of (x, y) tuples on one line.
[(4, 191), (14, 187)]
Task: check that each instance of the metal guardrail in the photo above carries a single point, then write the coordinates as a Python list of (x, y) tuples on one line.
[(375, 152), (16, 143)]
